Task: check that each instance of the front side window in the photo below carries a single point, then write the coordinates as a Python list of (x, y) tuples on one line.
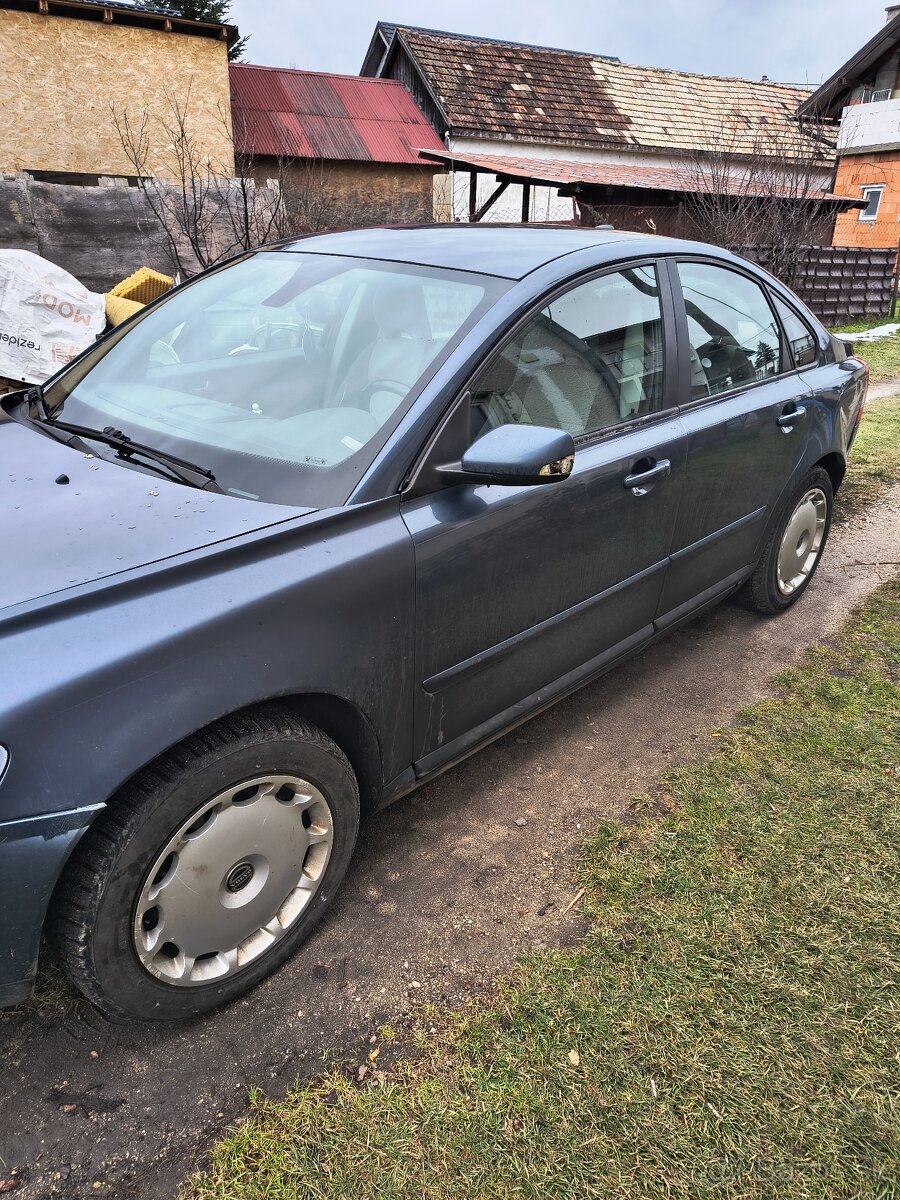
[(732, 332), (588, 361), (283, 373), (872, 197), (802, 341)]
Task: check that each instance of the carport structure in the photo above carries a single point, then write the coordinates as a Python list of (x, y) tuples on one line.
[(657, 191)]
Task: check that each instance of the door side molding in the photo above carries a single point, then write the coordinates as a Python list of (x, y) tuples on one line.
[(487, 658)]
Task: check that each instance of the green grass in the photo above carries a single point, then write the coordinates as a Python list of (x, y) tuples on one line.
[(866, 323), (882, 356), (728, 1027), (875, 458)]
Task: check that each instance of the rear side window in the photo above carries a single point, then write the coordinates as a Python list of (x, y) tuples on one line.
[(733, 335), (590, 360), (801, 338)]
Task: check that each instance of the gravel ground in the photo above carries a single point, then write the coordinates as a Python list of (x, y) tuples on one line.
[(447, 888)]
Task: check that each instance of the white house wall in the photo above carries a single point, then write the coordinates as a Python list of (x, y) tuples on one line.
[(869, 126)]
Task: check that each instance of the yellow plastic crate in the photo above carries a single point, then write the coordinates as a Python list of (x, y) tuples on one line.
[(118, 309), (143, 286)]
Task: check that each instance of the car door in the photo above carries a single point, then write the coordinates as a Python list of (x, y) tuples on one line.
[(837, 380), (745, 416), (522, 591)]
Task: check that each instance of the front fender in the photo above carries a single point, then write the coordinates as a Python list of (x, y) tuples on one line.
[(102, 683)]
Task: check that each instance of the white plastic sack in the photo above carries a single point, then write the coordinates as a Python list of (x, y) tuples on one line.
[(46, 316)]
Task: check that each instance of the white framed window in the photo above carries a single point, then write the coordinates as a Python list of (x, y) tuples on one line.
[(872, 196)]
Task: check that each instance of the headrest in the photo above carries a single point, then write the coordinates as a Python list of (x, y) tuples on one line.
[(400, 311)]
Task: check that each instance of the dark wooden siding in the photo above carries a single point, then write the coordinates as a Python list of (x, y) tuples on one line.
[(404, 70)]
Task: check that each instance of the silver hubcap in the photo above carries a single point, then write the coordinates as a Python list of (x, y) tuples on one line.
[(233, 880), (802, 541)]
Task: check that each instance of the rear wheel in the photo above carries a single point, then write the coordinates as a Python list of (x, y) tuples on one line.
[(795, 546), (209, 869)]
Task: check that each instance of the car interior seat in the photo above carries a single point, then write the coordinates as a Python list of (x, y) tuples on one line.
[(384, 370)]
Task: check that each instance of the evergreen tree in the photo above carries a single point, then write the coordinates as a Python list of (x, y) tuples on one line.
[(216, 13)]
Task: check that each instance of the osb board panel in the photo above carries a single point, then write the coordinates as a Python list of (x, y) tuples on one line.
[(61, 79)]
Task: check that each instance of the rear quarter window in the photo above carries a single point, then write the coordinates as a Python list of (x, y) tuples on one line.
[(803, 343)]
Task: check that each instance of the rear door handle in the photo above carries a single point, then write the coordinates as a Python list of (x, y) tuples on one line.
[(638, 480), (790, 416)]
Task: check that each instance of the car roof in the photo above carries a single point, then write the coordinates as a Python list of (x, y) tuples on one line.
[(509, 251)]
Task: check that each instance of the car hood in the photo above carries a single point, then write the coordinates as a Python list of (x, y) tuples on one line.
[(107, 519)]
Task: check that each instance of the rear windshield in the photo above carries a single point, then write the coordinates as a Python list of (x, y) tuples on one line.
[(283, 373)]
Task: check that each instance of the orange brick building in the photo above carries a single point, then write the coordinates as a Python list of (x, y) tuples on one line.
[(863, 95)]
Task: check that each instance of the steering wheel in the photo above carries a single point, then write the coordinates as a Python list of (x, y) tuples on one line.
[(260, 338)]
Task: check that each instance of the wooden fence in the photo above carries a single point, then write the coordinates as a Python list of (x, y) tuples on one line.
[(842, 284)]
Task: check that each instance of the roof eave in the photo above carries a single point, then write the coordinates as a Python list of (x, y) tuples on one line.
[(378, 47), (823, 100), (140, 17), (606, 144)]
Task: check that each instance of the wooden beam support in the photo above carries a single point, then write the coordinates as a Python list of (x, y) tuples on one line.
[(526, 203), (473, 194), (491, 200)]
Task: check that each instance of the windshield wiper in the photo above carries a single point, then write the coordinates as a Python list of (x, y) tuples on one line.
[(126, 448)]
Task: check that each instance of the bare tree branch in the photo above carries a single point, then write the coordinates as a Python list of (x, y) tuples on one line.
[(767, 193), (203, 212)]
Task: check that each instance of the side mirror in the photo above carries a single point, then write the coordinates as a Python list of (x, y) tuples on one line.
[(515, 454)]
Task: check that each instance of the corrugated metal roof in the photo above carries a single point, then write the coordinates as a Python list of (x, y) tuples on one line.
[(310, 114), (558, 172)]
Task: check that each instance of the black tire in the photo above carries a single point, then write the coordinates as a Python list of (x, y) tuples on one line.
[(762, 591), (96, 903)]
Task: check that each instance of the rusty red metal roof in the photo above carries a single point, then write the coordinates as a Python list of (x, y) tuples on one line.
[(565, 173), (311, 114)]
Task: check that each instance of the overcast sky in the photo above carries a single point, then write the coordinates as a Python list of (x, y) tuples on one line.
[(794, 41)]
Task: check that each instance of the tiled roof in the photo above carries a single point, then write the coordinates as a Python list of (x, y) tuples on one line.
[(506, 90), (308, 114), (558, 172)]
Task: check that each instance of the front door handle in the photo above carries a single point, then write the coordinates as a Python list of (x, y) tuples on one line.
[(790, 416), (639, 480)]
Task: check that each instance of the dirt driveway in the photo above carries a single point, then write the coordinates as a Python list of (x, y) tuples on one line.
[(447, 887)]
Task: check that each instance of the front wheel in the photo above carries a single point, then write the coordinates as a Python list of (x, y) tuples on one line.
[(209, 869), (795, 546)]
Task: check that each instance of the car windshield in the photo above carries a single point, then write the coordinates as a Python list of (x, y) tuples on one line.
[(283, 373)]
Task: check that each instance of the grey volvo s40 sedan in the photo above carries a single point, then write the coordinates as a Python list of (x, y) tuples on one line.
[(330, 517)]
